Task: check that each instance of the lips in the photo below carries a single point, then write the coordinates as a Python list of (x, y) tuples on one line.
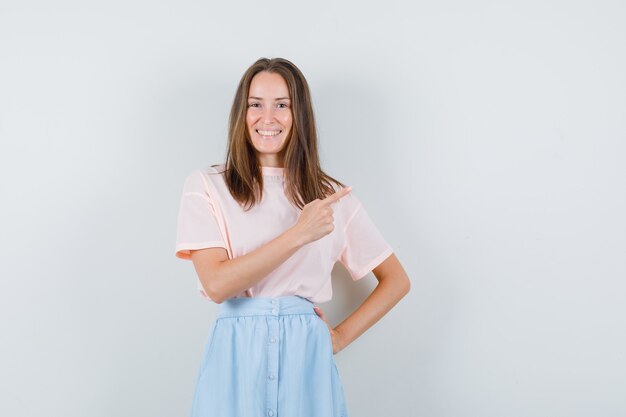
[(268, 133)]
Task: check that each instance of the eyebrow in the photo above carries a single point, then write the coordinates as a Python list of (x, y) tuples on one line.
[(276, 99)]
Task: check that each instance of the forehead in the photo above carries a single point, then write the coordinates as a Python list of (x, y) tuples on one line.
[(268, 85)]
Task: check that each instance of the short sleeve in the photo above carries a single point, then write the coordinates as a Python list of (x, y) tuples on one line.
[(365, 248), (197, 227)]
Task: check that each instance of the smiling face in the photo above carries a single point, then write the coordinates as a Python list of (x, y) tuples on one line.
[(269, 118)]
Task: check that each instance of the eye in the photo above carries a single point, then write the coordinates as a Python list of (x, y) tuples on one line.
[(252, 105), (283, 104)]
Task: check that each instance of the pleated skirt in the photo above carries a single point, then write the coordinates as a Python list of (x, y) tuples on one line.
[(268, 357)]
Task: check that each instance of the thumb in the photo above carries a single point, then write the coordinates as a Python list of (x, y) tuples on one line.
[(320, 313)]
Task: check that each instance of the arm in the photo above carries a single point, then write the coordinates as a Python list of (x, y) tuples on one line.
[(223, 278), (393, 285)]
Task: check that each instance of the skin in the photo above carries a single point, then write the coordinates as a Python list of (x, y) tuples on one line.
[(393, 285), (269, 108), (223, 278)]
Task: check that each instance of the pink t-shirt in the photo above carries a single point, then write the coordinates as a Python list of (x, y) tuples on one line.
[(209, 217)]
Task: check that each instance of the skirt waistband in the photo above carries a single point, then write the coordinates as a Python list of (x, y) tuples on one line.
[(264, 306)]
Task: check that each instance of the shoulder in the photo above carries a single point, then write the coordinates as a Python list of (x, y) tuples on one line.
[(197, 180), (216, 168)]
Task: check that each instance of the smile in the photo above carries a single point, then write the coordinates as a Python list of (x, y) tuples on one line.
[(268, 132)]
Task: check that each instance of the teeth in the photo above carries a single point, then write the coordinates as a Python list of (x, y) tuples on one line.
[(268, 132)]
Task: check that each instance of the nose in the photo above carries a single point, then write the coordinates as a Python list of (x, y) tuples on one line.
[(268, 114)]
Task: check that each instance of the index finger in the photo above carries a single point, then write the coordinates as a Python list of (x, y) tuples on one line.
[(337, 195)]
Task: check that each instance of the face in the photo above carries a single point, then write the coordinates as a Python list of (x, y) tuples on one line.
[(269, 118)]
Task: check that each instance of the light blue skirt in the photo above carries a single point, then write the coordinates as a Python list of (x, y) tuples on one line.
[(268, 357)]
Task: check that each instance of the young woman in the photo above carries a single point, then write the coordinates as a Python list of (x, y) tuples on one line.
[(264, 230)]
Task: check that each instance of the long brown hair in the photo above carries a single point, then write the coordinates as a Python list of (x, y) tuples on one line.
[(304, 179)]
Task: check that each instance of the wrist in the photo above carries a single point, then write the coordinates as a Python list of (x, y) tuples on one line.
[(294, 238), (341, 339)]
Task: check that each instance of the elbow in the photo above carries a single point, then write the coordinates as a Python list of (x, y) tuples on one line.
[(212, 290), (216, 296), (209, 273), (406, 285)]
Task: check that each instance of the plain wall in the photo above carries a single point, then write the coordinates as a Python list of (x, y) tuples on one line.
[(486, 139)]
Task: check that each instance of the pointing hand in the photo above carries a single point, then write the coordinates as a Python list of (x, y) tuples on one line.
[(316, 219)]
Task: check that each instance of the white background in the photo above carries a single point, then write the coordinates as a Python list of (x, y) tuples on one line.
[(486, 139)]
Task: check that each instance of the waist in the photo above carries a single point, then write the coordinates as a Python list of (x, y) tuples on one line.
[(264, 306)]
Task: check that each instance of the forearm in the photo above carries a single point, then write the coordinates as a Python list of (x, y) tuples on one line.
[(236, 275), (382, 299)]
